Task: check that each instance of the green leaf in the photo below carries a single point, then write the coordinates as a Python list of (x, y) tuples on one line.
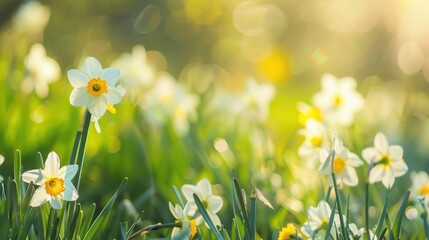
[(96, 225), (15, 203), (382, 216), (252, 220), (17, 170), (77, 230), (29, 219), (239, 196), (178, 196), (87, 220), (400, 215), (206, 217), (72, 223)]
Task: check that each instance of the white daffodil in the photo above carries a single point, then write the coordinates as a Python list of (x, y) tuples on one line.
[(54, 182), (1, 162), (343, 165), (136, 72), (41, 71), (359, 234), (318, 219), (338, 100), (168, 100), (31, 17), (203, 190), (95, 87), (420, 185), (316, 138), (183, 216), (386, 160), (256, 99)]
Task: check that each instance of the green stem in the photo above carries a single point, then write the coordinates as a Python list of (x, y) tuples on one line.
[(84, 127), (155, 227), (367, 203)]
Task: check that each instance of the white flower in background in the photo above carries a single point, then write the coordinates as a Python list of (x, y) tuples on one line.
[(420, 185), (169, 100), (387, 161), (256, 99), (316, 138), (136, 72), (338, 100), (318, 219), (54, 182), (343, 166), (41, 71), (95, 87), (203, 190), (359, 234), (31, 17), (1, 162), (183, 216)]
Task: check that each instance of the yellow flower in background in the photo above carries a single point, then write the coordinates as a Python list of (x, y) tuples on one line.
[(183, 216), (387, 161), (288, 232), (338, 100), (307, 112), (54, 182), (95, 87), (41, 71)]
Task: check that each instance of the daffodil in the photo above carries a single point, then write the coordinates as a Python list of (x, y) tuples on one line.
[(338, 100), (343, 165), (41, 71), (386, 161), (288, 232), (1, 162), (316, 138), (183, 216), (54, 182), (95, 87), (256, 98), (170, 101), (420, 185), (137, 73), (359, 233), (318, 219), (203, 190)]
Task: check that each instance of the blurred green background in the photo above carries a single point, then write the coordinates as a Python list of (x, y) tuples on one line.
[(288, 44)]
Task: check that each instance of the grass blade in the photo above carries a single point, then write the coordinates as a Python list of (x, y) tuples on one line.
[(239, 196), (382, 216), (17, 170), (206, 217), (400, 215), (252, 219), (96, 225), (330, 223)]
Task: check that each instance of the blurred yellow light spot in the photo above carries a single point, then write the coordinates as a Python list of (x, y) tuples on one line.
[(424, 190), (203, 12), (316, 141), (320, 57), (275, 66), (339, 165), (311, 113), (220, 145)]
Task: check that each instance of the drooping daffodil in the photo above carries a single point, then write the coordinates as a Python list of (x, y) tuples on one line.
[(95, 87), (54, 182)]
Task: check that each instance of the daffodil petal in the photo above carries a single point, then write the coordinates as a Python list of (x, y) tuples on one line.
[(350, 177), (77, 78), (55, 202), (204, 188), (34, 176), (111, 75), (399, 168), (175, 231), (92, 67), (370, 155), (67, 172), (173, 210), (376, 174), (188, 190), (396, 152), (381, 143), (70, 192), (97, 107), (1, 159), (214, 218), (39, 197), (52, 164), (388, 179), (80, 97), (215, 203), (113, 96)]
